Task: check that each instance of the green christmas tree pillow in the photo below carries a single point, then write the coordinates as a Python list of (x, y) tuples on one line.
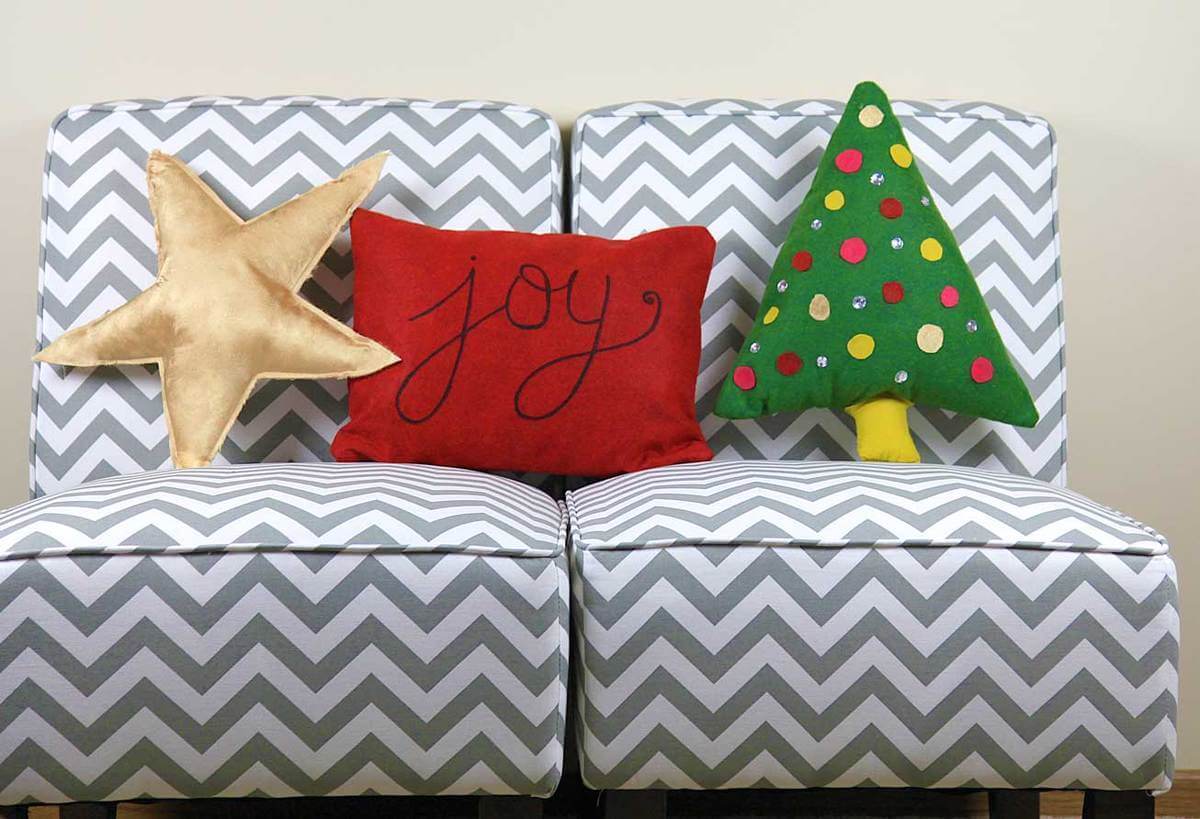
[(870, 306)]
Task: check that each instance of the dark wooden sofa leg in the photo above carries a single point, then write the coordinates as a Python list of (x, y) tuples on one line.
[(1118, 805), (510, 807), (1004, 804), (88, 810), (13, 812), (635, 804)]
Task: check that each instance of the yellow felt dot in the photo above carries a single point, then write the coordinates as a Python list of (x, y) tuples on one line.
[(834, 200), (860, 346), (771, 315), (930, 338), (931, 249), (818, 308), (900, 155), (870, 116)]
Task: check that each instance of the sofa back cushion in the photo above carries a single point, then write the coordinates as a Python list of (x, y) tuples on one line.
[(742, 168), (454, 164)]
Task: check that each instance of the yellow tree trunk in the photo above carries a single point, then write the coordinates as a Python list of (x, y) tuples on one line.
[(883, 435)]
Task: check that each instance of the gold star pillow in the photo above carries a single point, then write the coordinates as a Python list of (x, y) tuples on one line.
[(224, 310)]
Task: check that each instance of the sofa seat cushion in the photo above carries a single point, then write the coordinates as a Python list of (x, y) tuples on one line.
[(832, 504), (808, 624), (292, 507), (283, 630)]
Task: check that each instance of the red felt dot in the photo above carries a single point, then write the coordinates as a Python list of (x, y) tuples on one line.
[(891, 208), (982, 370), (949, 296), (789, 363), (853, 250), (849, 160), (802, 261), (744, 377), (893, 292)]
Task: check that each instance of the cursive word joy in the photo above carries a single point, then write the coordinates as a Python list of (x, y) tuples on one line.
[(527, 306)]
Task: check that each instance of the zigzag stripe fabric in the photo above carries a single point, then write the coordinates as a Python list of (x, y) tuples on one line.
[(800, 503), (742, 168), (454, 164), (764, 624), (292, 507), (285, 668)]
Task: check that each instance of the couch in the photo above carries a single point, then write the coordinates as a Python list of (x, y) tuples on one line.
[(783, 617)]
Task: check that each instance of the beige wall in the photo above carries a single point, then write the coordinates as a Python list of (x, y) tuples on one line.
[(1118, 80)]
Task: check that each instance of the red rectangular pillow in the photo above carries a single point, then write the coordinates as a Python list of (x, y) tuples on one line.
[(557, 353)]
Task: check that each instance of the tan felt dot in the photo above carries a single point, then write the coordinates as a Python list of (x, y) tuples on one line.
[(930, 338), (818, 308), (870, 116)]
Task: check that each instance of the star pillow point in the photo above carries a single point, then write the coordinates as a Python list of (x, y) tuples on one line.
[(224, 310)]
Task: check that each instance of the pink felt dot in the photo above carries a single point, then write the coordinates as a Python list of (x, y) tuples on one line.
[(849, 160), (949, 296), (982, 370), (853, 250), (744, 378)]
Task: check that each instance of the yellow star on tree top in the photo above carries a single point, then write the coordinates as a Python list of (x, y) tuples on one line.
[(224, 310)]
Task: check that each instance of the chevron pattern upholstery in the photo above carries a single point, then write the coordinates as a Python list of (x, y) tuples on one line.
[(781, 617), (454, 164), (798, 503), (751, 624), (293, 507), (742, 168), (283, 629)]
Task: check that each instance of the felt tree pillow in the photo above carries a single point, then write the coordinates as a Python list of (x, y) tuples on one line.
[(870, 306), (572, 355)]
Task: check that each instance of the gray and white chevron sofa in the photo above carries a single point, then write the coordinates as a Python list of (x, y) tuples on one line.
[(780, 618)]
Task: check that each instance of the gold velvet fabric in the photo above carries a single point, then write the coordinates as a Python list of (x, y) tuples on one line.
[(224, 310)]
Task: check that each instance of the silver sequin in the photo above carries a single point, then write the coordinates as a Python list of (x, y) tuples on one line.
[(901, 376), (877, 178), (782, 285), (859, 302), (972, 326), (755, 347), (816, 224), (897, 243), (822, 361), (925, 201)]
